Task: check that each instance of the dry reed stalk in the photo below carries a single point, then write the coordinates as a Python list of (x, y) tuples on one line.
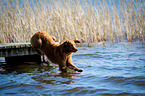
[(68, 19)]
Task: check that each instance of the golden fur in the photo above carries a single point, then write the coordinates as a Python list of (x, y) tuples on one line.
[(59, 54)]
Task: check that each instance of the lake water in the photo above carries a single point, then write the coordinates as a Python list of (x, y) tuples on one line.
[(113, 69)]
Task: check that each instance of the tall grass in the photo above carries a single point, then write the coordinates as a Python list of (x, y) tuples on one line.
[(106, 20)]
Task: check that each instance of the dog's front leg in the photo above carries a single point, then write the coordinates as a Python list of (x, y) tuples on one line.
[(72, 66), (62, 67)]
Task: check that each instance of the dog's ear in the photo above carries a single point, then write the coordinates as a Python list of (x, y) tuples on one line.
[(65, 44), (76, 41)]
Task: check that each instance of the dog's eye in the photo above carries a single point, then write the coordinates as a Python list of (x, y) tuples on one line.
[(71, 45)]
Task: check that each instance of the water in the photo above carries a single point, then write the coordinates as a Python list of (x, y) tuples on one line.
[(114, 69)]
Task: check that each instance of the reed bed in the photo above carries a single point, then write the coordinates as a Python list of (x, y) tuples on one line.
[(91, 22)]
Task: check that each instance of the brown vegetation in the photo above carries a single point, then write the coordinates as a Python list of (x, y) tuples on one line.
[(68, 19)]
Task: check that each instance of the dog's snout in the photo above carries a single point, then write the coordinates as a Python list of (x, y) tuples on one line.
[(75, 50)]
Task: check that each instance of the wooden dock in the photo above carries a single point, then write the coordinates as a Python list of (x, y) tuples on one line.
[(18, 52), (16, 49)]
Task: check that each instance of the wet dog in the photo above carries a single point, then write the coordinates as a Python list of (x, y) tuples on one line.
[(59, 54)]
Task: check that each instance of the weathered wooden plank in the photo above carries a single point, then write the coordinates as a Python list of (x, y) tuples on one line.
[(14, 45), (16, 49)]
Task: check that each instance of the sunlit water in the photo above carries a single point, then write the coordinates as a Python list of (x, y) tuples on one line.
[(114, 69)]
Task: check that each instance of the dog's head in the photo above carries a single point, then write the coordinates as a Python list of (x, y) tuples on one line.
[(69, 46)]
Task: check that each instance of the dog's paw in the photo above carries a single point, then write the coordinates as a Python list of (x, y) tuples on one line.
[(79, 70)]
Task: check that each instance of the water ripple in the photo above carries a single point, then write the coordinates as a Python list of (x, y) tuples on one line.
[(138, 80)]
